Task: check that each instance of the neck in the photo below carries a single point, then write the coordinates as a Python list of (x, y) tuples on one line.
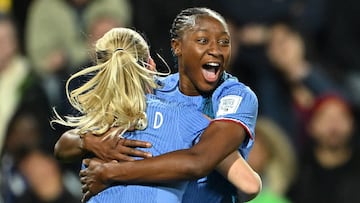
[(186, 86)]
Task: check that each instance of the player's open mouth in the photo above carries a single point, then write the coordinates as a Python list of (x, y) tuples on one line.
[(210, 71)]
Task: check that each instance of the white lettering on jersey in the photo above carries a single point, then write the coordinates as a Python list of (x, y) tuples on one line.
[(228, 104), (158, 120)]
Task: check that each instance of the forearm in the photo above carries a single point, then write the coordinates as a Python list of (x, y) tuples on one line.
[(241, 175), (69, 147), (217, 142), (179, 165)]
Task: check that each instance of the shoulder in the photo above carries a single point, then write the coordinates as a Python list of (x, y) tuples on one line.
[(231, 86), (167, 84), (169, 81), (154, 101)]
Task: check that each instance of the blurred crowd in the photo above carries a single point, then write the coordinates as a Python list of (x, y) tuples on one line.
[(301, 58)]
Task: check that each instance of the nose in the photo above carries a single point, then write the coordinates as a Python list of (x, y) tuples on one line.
[(214, 49)]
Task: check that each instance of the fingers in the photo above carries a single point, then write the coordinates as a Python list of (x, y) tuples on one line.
[(134, 143), (122, 157), (131, 152), (86, 162), (82, 180), (86, 196), (127, 149), (84, 188)]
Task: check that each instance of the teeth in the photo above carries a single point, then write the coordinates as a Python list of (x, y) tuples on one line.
[(213, 64)]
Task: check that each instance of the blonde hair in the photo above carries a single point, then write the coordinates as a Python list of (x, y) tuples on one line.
[(115, 95)]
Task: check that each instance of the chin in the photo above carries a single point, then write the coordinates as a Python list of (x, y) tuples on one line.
[(208, 89)]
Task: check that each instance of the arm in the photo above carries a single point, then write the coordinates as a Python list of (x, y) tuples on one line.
[(241, 175), (69, 147), (72, 146), (218, 141)]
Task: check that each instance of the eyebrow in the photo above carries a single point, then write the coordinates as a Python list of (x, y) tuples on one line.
[(207, 30)]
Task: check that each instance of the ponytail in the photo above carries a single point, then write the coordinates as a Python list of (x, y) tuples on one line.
[(116, 95)]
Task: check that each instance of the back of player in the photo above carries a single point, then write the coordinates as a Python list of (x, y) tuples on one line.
[(117, 94), (171, 126)]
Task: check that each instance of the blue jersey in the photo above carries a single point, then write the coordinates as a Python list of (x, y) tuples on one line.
[(231, 101), (171, 126)]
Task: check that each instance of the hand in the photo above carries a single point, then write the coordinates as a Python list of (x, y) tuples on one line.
[(287, 52), (115, 148), (253, 34), (91, 178)]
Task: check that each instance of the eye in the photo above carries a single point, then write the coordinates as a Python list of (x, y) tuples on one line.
[(202, 40), (224, 42)]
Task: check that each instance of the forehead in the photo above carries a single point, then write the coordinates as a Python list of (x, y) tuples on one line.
[(210, 21), (332, 106), (208, 24)]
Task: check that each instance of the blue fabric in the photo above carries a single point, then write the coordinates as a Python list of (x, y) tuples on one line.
[(171, 126), (215, 188)]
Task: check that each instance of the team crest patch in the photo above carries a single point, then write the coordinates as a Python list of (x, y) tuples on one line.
[(229, 104)]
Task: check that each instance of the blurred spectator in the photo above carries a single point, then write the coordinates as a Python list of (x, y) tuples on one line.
[(27, 173), (20, 89), (329, 170), (98, 23), (276, 65), (18, 10), (274, 159), (300, 79), (56, 38), (17, 81)]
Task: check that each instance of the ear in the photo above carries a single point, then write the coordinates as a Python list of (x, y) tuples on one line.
[(152, 64), (176, 46)]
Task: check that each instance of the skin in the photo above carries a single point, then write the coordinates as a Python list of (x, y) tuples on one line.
[(189, 164), (71, 147), (208, 41)]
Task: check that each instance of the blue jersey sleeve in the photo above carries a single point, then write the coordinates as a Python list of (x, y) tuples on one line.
[(236, 102)]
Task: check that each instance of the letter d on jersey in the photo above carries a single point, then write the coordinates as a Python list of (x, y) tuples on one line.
[(158, 120)]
